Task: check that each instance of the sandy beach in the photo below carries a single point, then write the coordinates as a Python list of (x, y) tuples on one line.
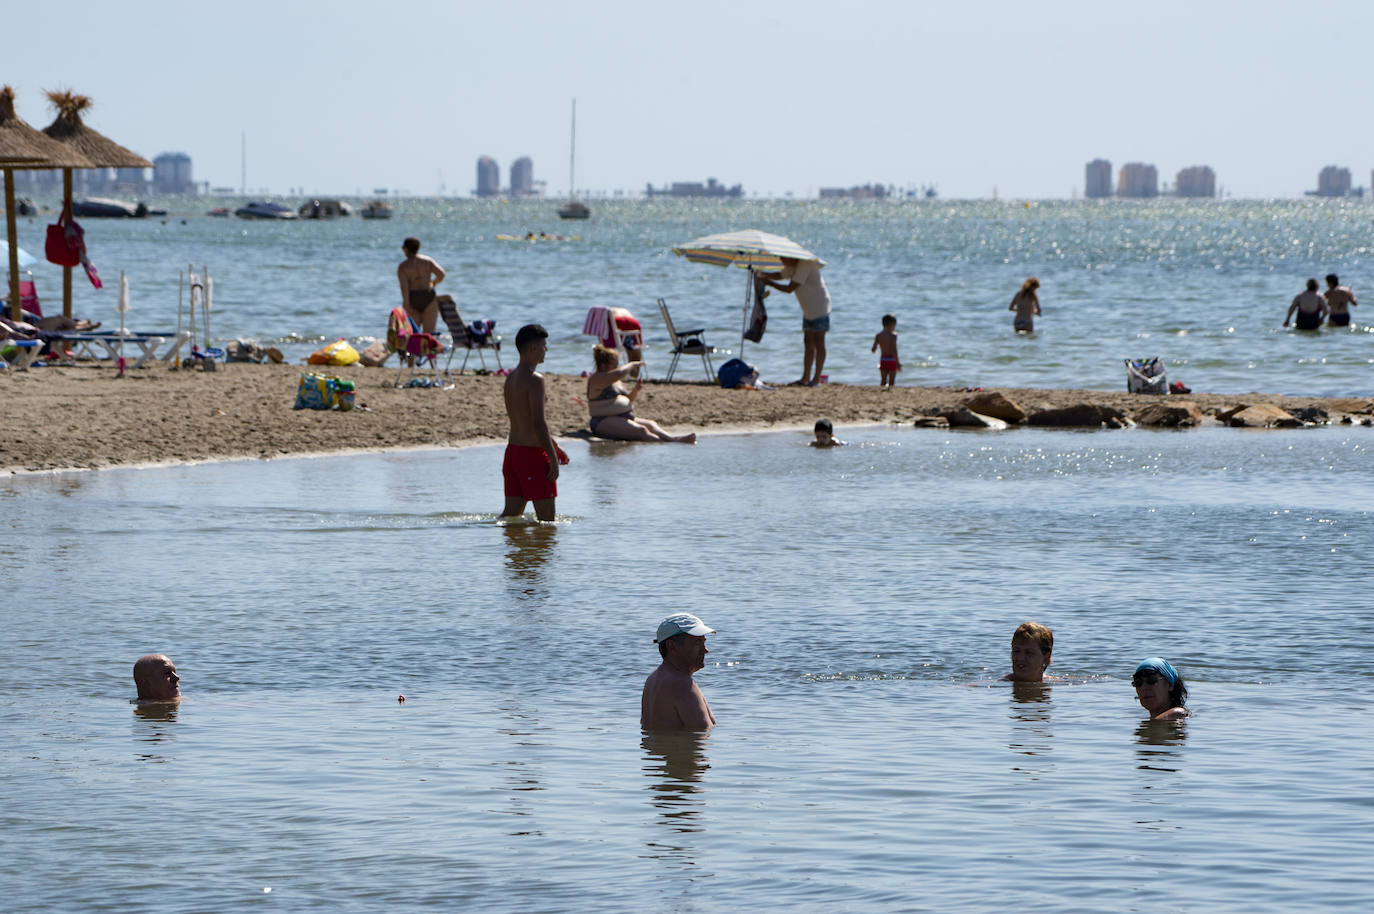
[(85, 417)]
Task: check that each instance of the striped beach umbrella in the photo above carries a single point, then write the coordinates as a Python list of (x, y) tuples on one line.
[(750, 249)]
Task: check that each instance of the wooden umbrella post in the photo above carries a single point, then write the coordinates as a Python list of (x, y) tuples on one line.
[(66, 271), (11, 227)]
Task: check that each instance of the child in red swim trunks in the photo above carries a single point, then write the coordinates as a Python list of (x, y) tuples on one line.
[(888, 364), (532, 458)]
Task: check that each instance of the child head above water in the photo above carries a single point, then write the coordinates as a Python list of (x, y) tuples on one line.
[(825, 434), (1031, 647)]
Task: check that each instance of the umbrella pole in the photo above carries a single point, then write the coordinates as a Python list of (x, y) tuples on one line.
[(66, 271), (16, 310)]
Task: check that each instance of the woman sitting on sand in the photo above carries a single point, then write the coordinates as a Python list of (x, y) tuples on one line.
[(1160, 690), (612, 406)]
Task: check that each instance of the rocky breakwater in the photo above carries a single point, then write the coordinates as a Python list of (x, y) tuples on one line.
[(996, 410)]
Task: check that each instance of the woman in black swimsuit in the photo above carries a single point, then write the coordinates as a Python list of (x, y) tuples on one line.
[(612, 406)]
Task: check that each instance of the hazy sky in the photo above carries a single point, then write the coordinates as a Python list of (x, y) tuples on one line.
[(347, 95)]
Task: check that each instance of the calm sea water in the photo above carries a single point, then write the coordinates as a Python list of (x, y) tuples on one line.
[(864, 597), (1202, 284)]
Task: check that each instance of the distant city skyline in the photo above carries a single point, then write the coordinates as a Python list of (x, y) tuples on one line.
[(780, 101)]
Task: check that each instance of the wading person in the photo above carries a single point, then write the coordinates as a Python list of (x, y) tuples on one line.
[(530, 469), (1339, 301), (1310, 306), (671, 699), (155, 677)]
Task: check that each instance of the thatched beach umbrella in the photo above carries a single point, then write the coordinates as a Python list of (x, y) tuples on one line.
[(102, 152), (22, 147)]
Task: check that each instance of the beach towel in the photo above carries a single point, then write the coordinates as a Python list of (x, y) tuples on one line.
[(598, 324)]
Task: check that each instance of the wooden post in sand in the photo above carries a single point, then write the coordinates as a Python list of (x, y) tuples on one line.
[(11, 227), (67, 271)]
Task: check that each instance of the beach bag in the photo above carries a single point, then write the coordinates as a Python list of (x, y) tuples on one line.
[(314, 392), (65, 243), (336, 353), (758, 317), (317, 391), (736, 373), (1146, 376)]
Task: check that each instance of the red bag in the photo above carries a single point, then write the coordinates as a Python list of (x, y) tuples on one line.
[(65, 244)]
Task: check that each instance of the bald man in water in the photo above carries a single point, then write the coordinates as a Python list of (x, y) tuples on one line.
[(155, 677)]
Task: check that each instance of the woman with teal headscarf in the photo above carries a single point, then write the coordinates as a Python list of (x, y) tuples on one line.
[(1160, 690)]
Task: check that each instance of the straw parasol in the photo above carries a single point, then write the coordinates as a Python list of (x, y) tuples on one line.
[(102, 152), (22, 147)]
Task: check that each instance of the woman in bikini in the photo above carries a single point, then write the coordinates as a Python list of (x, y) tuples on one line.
[(611, 404)]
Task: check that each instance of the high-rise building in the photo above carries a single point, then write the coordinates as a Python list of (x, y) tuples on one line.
[(1137, 180), (172, 174), (1333, 181), (1097, 179), (1196, 181), (488, 177), (522, 177), (131, 180)]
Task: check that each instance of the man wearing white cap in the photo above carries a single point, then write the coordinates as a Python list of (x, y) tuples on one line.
[(671, 699)]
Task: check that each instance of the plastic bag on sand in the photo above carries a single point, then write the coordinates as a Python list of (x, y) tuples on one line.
[(336, 353)]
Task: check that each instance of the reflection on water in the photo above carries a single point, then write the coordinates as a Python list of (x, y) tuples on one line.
[(1159, 744), (675, 764), (523, 774), (1031, 732), (152, 715), (528, 547)]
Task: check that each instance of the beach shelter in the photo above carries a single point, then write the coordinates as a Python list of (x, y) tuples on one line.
[(102, 152), (24, 148), (752, 250)]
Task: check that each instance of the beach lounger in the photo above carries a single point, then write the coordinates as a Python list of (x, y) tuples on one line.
[(686, 342), (139, 348), (463, 338), (19, 354), (404, 338)]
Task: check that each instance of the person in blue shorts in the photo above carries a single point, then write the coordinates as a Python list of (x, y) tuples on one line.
[(804, 278)]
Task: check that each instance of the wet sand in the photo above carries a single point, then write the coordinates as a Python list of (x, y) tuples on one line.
[(84, 417)]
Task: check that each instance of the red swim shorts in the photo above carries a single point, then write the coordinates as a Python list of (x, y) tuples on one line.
[(888, 363), (526, 471)]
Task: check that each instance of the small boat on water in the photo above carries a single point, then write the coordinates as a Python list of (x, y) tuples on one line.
[(222, 212), (324, 209), (573, 209), (377, 209), (106, 208), (265, 210)]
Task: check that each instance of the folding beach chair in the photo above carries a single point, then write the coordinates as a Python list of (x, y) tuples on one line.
[(464, 338), (686, 342), (19, 354), (1146, 376), (404, 338)]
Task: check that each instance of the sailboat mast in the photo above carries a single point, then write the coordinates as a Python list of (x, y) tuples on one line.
[(572, 152)]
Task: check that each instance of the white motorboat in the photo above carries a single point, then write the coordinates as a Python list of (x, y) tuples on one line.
[(265, 210)]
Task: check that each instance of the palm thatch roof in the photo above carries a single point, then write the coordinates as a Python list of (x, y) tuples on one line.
[(68, 130), (23, 147)]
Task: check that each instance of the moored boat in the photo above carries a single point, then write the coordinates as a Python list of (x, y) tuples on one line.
[(106, 208), (377, 209), (258, 209), (324, 209)]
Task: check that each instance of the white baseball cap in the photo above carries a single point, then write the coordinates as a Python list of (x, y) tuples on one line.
[(682, 624)]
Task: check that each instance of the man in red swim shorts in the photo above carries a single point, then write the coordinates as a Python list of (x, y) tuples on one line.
[(532, 458)]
